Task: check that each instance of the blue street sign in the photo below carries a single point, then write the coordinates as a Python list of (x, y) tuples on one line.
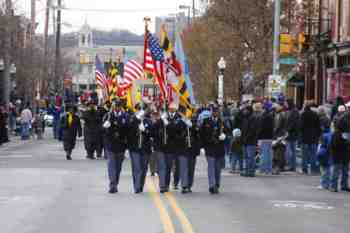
[(288, 61)]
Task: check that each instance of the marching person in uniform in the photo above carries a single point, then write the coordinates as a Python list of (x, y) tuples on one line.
[(193, 150), (174, 145), (213, 134), (139, 145), (115, 141), (93, 131), (71, 128)]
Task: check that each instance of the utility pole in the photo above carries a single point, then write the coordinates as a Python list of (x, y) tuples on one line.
[(6, 54), (46, 47), (193, 9), (58, 46), (32, 20), (276, 40)]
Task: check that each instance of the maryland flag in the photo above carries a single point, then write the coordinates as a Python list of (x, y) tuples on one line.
[(173, 65), (112, 73)]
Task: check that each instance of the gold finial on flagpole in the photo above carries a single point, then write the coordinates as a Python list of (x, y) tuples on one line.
[(147, 20)]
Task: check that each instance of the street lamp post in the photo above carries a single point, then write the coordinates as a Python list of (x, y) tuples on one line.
[(188, 8), (222, 67)]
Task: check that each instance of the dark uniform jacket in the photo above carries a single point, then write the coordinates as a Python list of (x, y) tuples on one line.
[(93, 126), (70, 132), (139, 141), (176, 132), (194, 145), (115, 137), (157, 135), (210, 131), (266, 125)]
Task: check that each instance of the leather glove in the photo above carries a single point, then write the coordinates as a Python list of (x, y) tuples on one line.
[(107, 124), (222, 137)]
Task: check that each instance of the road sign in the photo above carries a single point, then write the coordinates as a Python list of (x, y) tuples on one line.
[(275, 85), (288, 61)]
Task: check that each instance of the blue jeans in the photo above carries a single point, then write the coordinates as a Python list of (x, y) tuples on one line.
[(325, 176), (266, 156), (249, 159), (25, 131), (115, 162), (214, 171), (227, 147), (309, 157), (291, 154), (236, 158), (337, 170)]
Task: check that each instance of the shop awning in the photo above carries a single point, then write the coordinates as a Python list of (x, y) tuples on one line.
[(295, 79)]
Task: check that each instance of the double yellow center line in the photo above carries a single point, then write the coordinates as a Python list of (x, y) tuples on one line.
[(168, 225)]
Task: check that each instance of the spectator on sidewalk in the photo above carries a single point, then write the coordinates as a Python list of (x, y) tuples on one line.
[(12, 117), (310, 135), (265, 138), (26, 122), (3, 125), (293, 132), (236, 151), (324, 158), (279, 145)]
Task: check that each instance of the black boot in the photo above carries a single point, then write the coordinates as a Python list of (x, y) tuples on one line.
[(68, 156)]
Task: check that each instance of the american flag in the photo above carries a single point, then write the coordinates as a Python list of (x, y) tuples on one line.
[(132, 71), (101, 79), (157, 55)]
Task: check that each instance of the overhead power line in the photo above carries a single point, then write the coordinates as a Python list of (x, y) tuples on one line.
[(116, 10)]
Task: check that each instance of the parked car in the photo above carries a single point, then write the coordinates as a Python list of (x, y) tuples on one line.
[(48, 119)]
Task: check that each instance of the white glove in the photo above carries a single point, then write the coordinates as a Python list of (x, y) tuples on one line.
[(188, 122), (140, 114), (164, 116), (142, 127), (222, 137), (107, 124), (202, 151), (166, 122)]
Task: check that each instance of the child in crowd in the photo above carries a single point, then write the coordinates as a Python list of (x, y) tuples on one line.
[(324, 158), (236, 151)]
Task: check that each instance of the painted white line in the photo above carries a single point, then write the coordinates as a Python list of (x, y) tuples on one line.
[(306, 205)]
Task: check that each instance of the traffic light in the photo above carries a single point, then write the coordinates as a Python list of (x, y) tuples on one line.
[(303, 42), (286, 44)]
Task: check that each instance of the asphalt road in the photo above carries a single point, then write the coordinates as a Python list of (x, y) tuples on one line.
[(41, 192)]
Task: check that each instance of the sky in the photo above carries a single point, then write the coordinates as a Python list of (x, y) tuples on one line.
[(123, 14)]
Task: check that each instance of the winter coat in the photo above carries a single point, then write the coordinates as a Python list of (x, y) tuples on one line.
[(342, 122), (249, 127), (70, 132), (280, 129), (266, 126), (324, 149), (210, 131), (293, 124), (339, 149), (115, 137), (310, 127)]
